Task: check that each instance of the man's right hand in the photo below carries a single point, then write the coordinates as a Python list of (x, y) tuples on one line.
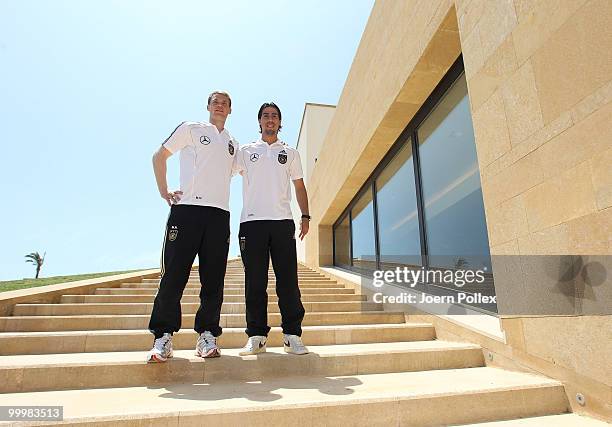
[(172, 198)]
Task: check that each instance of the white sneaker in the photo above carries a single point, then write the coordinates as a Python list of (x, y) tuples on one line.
[(256, 344), (207, 345), (294, 344), (162, 349)]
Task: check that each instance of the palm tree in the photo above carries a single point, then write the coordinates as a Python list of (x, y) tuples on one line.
[(36, 259)]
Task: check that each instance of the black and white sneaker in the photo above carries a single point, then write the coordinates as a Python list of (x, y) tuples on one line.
[(255, 345), (294, 344)]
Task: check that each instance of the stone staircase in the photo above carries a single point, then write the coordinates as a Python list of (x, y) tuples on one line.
[(367, 366)]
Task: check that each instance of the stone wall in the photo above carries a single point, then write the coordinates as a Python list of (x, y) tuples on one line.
[(539, 80)]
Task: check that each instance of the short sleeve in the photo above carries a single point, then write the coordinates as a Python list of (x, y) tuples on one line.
[(238, 165), (178, 139), (295, 169)]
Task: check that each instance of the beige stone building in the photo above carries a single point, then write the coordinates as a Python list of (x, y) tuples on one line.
[(479, 127), (315, 123)]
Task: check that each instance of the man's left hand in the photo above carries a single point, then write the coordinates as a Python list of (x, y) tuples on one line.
[(304, 224)]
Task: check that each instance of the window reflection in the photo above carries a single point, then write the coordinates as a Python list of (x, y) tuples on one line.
[(398, 221), (452, 206), (364, 248), (453, 209)]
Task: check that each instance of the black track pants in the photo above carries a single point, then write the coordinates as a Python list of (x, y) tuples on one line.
[(192, 230), (260, 241)]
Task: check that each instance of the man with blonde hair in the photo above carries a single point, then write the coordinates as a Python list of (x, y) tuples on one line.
[(198, 225)]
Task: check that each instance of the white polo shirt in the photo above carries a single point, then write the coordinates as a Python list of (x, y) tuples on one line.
[(267, 171), (206, 163)]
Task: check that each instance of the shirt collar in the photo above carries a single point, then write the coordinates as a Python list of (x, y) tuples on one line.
[(279, 142), (224, 131)]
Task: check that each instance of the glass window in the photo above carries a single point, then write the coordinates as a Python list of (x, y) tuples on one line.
[(342, 243), (453, 209), (364, 248), (398, 220)]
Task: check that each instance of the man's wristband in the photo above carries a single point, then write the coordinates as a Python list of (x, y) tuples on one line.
[(304, 216)]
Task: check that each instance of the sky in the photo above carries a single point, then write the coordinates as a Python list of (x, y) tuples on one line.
[(88, 91)]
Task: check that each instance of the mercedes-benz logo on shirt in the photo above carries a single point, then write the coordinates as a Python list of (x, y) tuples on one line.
[(254, 157), (204, 140)]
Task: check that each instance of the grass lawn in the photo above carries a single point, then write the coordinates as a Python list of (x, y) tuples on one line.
[(32, 283)]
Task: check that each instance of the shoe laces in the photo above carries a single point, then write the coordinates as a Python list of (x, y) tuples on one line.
[(208, 339), (162, 342)]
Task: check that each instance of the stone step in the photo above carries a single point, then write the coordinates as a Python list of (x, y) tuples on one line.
[(141, 321), (270, 276), (72, 299), (192, 291), (230, 276), (240, 271), (241, 280), (26, 373), (15, 343), (425, 398), (240, 267), (81, 309), (271, 273), (563, 420), (307, 285)]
